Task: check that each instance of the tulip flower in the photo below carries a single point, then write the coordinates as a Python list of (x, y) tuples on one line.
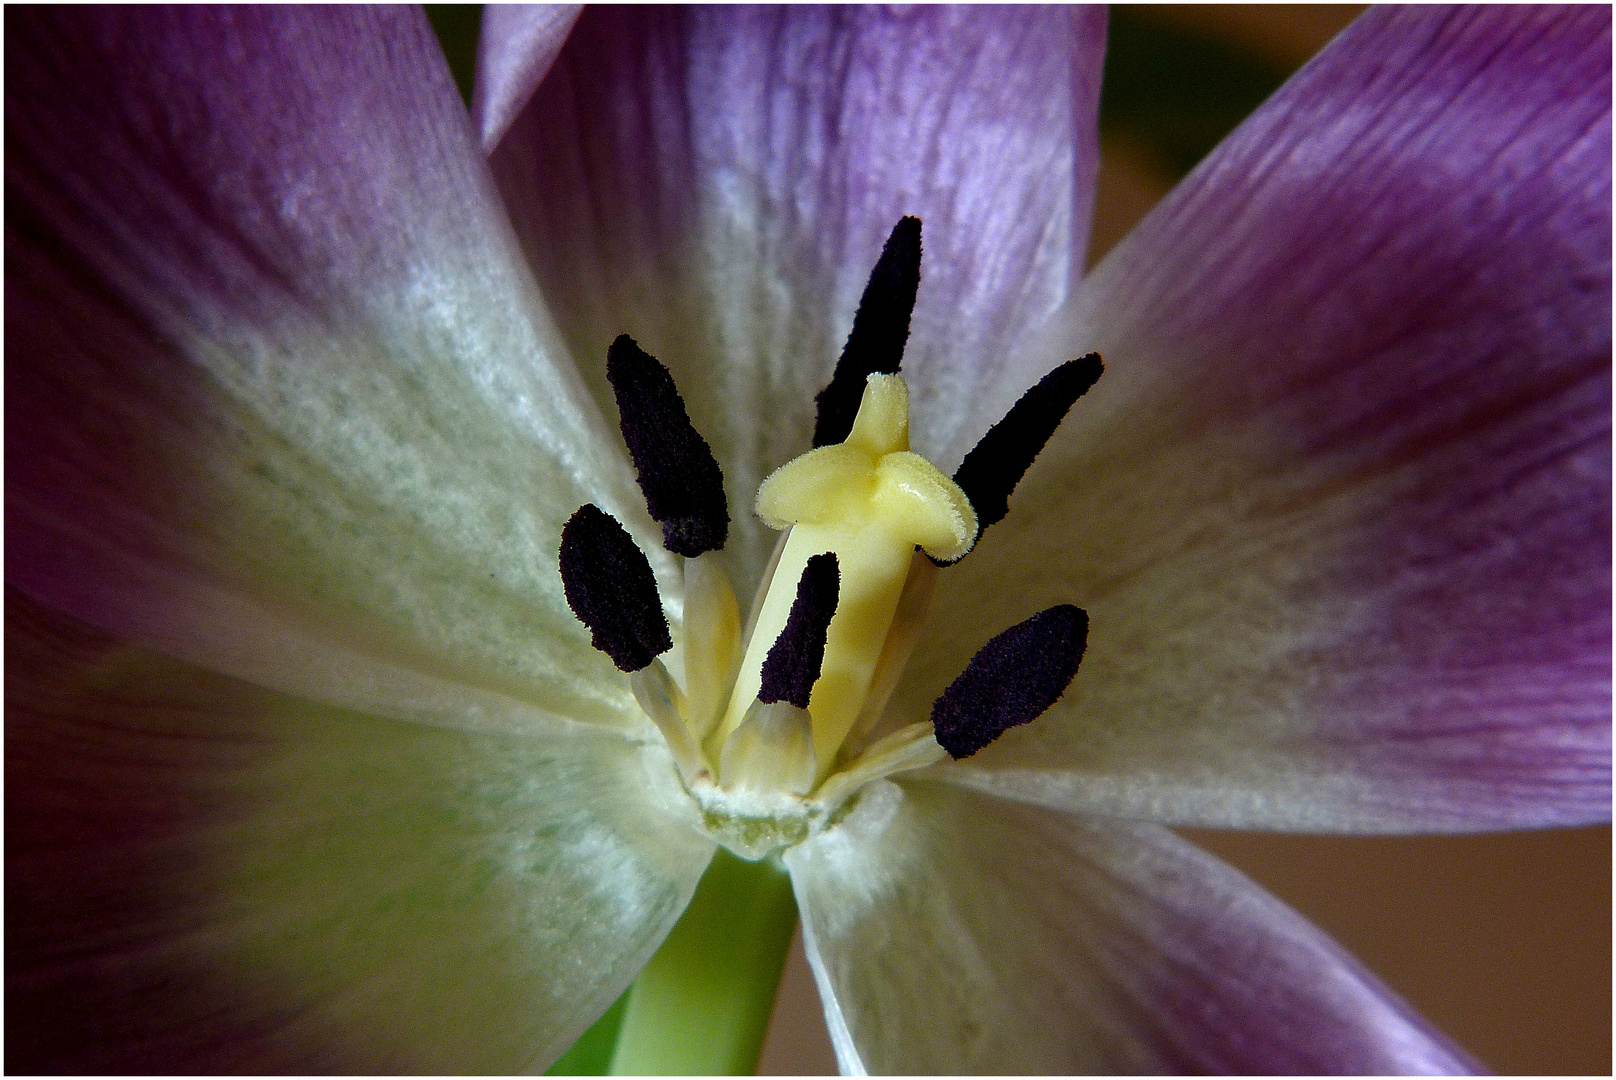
[(312, 762)]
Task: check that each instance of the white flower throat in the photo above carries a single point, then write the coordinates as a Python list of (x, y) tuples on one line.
[(773, 728)]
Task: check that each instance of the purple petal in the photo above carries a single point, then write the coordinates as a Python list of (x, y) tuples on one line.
[(517, 45), (1340, 508), (281, 395), (951, 932), (203, 876), (718, 183)]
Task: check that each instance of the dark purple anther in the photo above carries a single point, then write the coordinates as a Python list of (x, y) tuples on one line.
[(1011, 680), (681, 481), (610, 588), (792, 666), (880, 330)]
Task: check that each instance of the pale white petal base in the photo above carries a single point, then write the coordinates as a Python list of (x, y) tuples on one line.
[(951, 932)]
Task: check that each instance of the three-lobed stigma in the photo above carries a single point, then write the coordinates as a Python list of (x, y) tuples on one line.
[(774, 729)]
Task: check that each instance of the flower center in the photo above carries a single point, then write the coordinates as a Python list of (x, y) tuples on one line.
[(773, 730)]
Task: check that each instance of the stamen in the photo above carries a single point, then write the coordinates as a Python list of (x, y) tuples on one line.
[(659, 698), (794, 661), (683, 486), (609, 586), (880, 330), (711, 641), (772, 751), (1011, 680), (911, 747), (993, 468)]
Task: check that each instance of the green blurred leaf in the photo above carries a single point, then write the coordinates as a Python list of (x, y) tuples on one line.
[(1175, 93), (457, 26)]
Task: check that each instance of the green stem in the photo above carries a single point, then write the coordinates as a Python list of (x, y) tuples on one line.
[(591, 1055), (702, 1005)]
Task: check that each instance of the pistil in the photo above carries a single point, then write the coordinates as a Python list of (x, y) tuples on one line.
[(870, 501)]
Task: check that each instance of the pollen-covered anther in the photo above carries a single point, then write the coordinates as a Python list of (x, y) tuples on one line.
[(880, 331), (609, 586), (1011, 680), (680, 478), (798, 654), (996, 464)]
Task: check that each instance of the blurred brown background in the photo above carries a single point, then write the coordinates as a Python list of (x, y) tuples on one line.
[(1503, 942)]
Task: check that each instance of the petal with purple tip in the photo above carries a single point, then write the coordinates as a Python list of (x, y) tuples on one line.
[(1340, 508), (719, 182), (276, 367), (204, 876), (515, 49), (950, 932)]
